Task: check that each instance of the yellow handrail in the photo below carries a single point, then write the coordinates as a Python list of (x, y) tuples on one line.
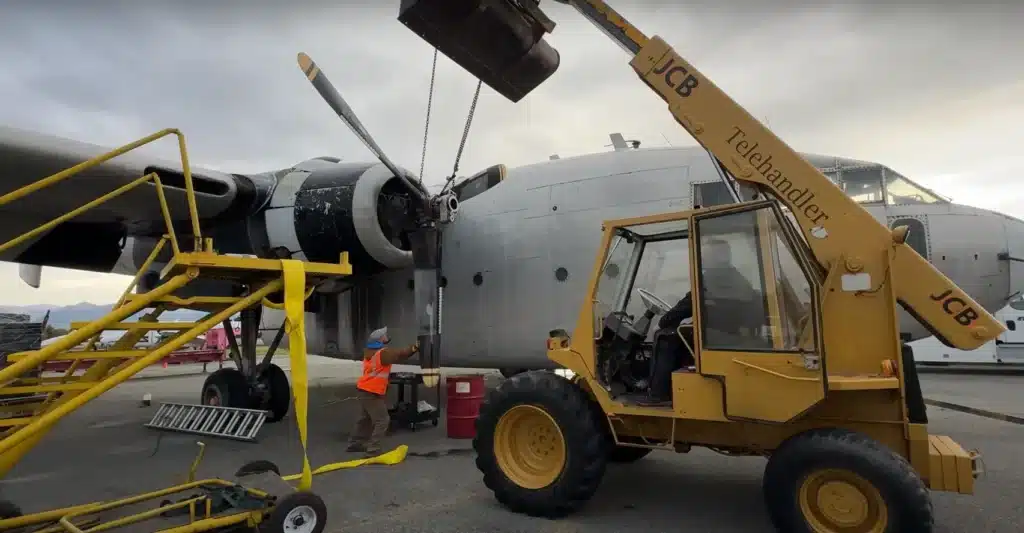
[(152, 176), (86, 165)]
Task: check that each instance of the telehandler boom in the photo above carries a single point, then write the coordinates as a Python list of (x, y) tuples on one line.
[(793, 351)]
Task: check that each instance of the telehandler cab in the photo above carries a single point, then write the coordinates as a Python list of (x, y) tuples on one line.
[(793, 351)]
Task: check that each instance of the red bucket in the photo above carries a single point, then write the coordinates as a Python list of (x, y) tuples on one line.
[(465, 394)]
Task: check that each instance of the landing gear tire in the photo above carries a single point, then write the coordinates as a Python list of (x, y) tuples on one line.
[(507, 373), (299, 512), (627, 454), (539, 445), (278, 397), (227, 387), (9, 510), (834, 480)]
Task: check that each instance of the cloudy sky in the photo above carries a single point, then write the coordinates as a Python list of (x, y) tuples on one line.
[(934, 91)]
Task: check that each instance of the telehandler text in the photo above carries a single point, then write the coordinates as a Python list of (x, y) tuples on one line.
[(800, 199), (677, 77), (956, 307)]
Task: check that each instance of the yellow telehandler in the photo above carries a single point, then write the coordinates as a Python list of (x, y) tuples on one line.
[(793, 351)]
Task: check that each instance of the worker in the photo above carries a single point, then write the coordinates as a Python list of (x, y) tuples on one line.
[(670, 353), (372, 389), (723, 286)]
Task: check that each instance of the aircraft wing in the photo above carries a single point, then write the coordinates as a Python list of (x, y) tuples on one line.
[(89, 240)]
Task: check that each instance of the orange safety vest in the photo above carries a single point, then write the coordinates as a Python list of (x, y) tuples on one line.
[(375, 375)]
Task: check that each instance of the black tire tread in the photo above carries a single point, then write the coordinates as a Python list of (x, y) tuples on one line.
[(279, 392), (257, 467), (231, 381), (586, 441), (907, 497)]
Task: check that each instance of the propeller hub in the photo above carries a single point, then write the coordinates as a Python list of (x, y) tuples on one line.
[(445, 207)]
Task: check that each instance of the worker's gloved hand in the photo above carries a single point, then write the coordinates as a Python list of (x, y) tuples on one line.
[(415, 347)]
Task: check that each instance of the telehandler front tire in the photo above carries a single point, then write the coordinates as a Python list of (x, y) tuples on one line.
[(835, 480), (539, 446)]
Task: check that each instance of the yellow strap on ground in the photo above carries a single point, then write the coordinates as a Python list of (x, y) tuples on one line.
[(294, 309), (390, 458)]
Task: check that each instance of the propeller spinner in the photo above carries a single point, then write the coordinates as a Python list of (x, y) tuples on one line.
[(424, 239)]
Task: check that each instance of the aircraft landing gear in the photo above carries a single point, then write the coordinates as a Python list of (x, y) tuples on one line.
[(250, 385)]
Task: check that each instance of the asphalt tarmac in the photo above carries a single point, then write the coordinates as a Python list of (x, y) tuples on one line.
[(104, 452)]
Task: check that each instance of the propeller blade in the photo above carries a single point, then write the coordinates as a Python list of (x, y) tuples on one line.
[(338, 104)]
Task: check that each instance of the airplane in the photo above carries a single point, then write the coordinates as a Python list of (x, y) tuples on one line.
[(514, 261), (517, 260)]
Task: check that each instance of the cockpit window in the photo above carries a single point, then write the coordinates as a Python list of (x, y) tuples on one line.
[(901, 190), (863, 184)]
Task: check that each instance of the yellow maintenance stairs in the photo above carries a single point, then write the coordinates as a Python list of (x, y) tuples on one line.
[(31, 403)]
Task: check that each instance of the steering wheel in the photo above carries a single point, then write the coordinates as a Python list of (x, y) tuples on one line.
[(652, 302)]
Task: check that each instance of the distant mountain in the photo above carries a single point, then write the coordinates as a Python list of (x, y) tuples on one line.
[(62, 317)]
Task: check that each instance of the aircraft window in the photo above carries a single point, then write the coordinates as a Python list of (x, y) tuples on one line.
[(711, 194), (864, 185), (901, 190), (917, 237), (664, 270), (1011, 325), (733, 309)]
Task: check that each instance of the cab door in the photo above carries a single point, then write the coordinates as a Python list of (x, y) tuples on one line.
[(757, 320)]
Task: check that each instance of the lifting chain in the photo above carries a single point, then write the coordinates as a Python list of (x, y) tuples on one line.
[(465, 129), (430, 103)]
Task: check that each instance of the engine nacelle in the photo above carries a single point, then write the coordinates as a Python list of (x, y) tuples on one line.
[(321, 208)]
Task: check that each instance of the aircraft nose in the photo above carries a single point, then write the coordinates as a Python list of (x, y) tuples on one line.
[(1014, 253)]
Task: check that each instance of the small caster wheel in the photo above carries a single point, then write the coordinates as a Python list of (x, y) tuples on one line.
[(434, 422), (301, 512), (9, 510), (257, 467)]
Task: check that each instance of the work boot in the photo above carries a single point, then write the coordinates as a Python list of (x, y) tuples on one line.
[(371, 452), (356, 447)]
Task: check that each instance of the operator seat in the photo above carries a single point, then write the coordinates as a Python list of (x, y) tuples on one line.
[(662, 346)]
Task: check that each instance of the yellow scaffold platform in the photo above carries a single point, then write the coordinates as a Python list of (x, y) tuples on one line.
[(42, 401)]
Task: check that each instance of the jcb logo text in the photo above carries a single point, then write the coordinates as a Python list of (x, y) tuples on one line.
[(956, 307), (677, 77)]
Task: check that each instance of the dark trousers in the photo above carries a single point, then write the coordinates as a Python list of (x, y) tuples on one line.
[(670, 354), (373, 420)]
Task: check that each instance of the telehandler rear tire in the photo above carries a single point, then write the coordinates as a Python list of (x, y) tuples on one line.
[(539, 445), (833, 480)]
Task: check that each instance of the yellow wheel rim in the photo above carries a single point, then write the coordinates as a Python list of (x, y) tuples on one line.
[(529, 447), (839, 501)]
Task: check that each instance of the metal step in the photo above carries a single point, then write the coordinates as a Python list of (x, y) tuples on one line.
[(210, 420)]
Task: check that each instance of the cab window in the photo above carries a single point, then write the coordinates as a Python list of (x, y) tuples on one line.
[(754, 295), (664, 271)]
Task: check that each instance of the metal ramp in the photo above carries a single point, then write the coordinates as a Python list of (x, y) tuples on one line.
[(51, 396), (209, 420)]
